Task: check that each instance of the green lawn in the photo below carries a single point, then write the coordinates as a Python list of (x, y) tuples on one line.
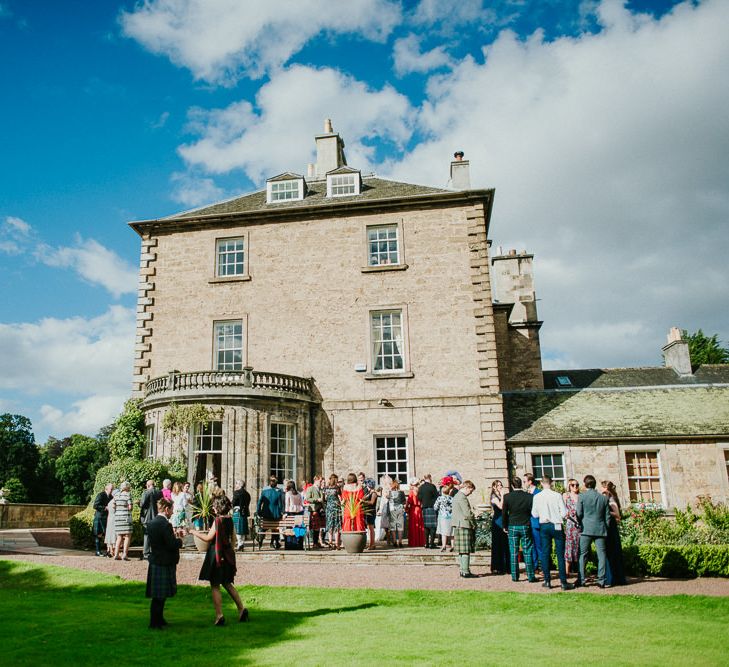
[(60, 616)]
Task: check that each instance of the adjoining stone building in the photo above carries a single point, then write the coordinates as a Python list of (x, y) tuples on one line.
[(341, 322)]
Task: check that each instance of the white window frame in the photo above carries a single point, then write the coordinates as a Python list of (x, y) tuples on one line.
[(388, 239), (291, 437), (336, 183), (633, 451), (231, 366), (404, 344), (200, 436), (149, 433), (277, 192), (403, 477), (549, 469), (240, 269)]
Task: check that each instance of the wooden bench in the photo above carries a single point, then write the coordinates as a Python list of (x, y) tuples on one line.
[(283, 526)]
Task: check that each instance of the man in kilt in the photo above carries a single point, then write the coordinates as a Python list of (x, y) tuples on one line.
[(163, 558), (516, 517), (427, 495), (101, 515), (464, 528)]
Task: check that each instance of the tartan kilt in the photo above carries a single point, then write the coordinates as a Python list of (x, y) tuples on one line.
[(161, 581), (315, 521), (241, 523), (430, 518), (464, 540), (99, 525)]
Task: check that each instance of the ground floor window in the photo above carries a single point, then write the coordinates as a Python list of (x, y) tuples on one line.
[(644, 477), (208, 450), (283, 450), (391, 453), (548, 464), (149, 442)]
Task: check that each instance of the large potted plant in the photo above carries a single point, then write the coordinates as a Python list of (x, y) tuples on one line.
[(202, 513), (354, 541)]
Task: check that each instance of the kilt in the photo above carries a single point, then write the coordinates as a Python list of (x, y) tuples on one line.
[(161, 581), (315, 521), (240, 522), (464, 540), (430, 518), (99, 525)]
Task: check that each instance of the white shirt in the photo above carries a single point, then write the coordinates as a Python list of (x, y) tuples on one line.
[(549, 507)]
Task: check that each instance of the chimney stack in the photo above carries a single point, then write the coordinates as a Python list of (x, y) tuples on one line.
[(512, 281), (329, 151), (676, 353), (460, 172)]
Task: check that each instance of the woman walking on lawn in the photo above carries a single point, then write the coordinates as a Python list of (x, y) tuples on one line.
[(219, 566)]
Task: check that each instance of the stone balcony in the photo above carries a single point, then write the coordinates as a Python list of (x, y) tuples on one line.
[(225, 386)]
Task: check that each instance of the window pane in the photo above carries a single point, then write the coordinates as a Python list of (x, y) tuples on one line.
[(231, 257), (391, 456), (283, 450), (229, 345), (387, 341), (644, 481), (383, 244)]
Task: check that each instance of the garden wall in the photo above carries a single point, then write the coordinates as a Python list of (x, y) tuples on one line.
[(32, 515)]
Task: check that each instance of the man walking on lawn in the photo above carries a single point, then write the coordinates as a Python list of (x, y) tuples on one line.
[(163, 558), (593, 512), (549, 508), (517, 513)]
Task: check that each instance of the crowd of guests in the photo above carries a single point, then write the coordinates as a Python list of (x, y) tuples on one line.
[(529, 523)]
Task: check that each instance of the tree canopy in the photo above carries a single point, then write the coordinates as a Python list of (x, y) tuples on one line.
[(705, 349), (18, 451), (76, 468)]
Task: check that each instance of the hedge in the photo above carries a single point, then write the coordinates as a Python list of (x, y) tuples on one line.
[(678, 561), (81, 527)]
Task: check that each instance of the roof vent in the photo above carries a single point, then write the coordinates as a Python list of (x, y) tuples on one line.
[(563, 381)]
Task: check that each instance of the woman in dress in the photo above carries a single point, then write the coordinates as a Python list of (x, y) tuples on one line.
[(179, 501), (572, 528), (499, 541), (396, 509), (110, 536), (219, 566), (616, 572), (334, 512), (352, 508), (122, 520), (241, 512), (369, 504), (414, 511), (444, 508), (294, 500)]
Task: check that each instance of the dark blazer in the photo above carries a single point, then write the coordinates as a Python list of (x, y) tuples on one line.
[(271, 503), (148, 505), (427, 494), (100, 502), (242, 499), (164, 546), (517, 508), (593, 512)]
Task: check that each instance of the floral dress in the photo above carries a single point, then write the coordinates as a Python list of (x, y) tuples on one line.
[(444, 507), (571, 531), (333, 509)]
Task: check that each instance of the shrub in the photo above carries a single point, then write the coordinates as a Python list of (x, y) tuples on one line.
[(127, 438), (137, 473), (14, 491), (483, 530), (81, 527), (681, 561)]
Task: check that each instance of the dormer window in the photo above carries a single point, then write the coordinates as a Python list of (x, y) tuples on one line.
[(285, 187), (343, 182)]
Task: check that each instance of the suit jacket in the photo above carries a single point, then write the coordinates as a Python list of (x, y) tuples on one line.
[(148, 505), (271, 503), (100, 503), (593, 512), (517, 509), (164, 546), (242, 499), (462, 516), (427, 494)]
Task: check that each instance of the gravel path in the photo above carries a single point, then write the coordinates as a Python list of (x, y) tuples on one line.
[(381, 575)]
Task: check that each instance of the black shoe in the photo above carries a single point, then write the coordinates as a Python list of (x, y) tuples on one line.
[(276, 545), (547, 584), (243, 618), (604, 586), (220, 621), (468, 575), (578, 584), (567, 587), (533, 580)]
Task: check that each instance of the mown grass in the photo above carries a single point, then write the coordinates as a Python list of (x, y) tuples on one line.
[(61, 616)]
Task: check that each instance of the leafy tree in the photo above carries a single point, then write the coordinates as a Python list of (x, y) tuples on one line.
[(18, 451), (127, 438), (76, 468), (704, 349), (105, 433), (14, 491)]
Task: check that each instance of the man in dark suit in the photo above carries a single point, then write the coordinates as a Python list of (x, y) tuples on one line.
[(271, 506), (427, 495), (148, 511), (516, 516), (593, 513), (163, 558), (101, 515)]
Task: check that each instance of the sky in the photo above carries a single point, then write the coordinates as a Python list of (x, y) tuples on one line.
[(601, 124)]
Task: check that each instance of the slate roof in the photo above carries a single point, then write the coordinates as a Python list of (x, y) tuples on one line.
[(640, 403), (373, 189)]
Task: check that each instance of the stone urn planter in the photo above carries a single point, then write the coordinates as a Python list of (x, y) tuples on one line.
[(201, 545), (354, 541)]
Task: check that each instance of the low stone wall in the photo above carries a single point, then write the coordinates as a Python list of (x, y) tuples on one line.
[(31, 515)]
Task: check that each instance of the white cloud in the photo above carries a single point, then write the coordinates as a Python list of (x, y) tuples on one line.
[(290, 109), (94, 262), (409, 58), (19, 225), (218, 40), (15, 234), (610, 158), (86, 416), (193, 191)]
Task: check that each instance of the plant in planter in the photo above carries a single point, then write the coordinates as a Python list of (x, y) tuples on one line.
[(353, 517), (202, 513)]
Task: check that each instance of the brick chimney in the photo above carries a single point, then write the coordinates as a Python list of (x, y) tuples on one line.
[(329, 151), (460, 172), (676, 353)]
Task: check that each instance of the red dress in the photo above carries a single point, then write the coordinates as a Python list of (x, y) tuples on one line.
[(416, 527), (356, 522)]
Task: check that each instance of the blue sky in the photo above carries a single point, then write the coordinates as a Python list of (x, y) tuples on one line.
[(601, 124)]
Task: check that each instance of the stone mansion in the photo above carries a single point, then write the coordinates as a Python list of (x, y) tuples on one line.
[(339, 322)]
